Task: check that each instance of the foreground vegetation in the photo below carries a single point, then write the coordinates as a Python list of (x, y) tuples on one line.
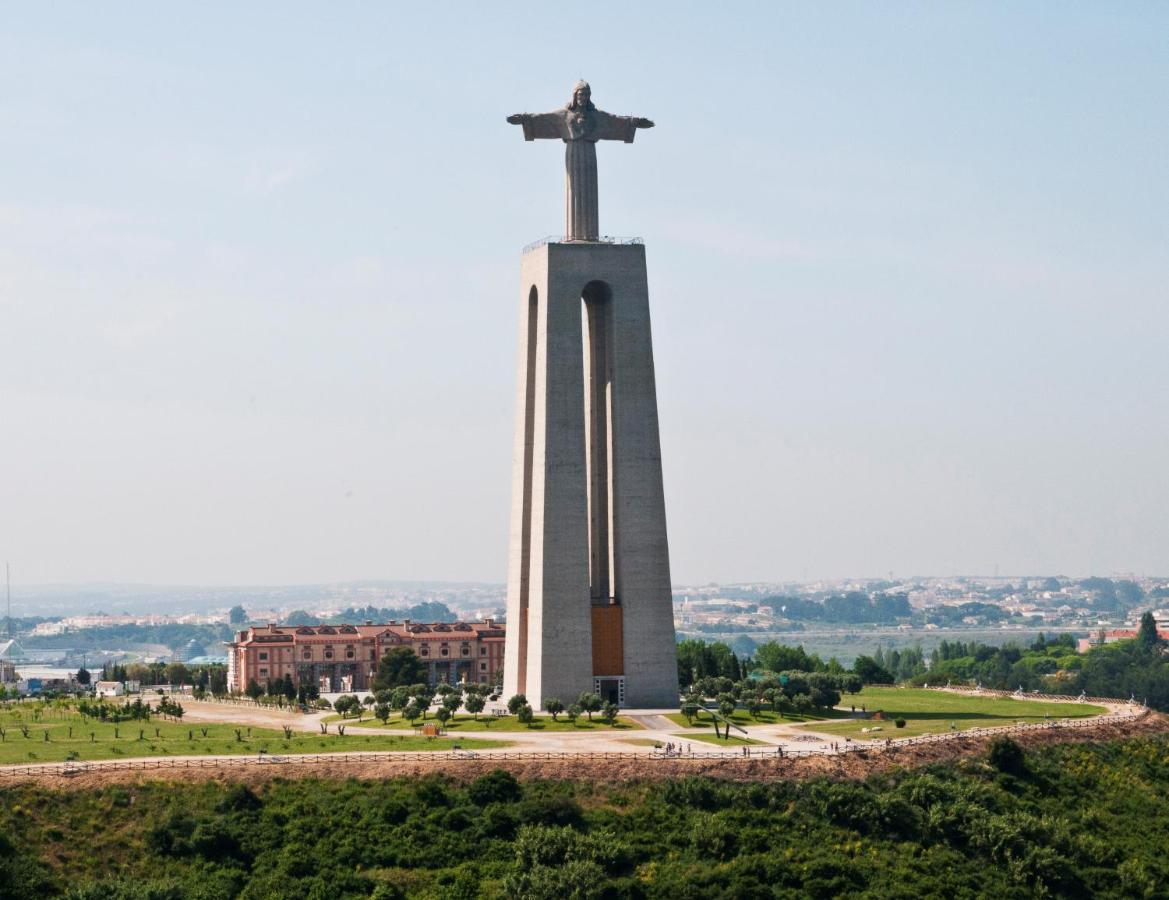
[(37, 733), (1072, 820)]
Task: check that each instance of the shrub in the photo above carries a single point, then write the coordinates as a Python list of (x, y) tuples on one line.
[(494, 787), (1007, 756), (900, 723)]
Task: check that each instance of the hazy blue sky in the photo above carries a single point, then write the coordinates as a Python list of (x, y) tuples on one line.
[(909, 273)]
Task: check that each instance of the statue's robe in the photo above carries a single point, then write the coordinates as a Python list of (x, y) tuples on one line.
[(580, 132)]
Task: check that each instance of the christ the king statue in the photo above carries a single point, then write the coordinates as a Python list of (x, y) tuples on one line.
[(580, 125)]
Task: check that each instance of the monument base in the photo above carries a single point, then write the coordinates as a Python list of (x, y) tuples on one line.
[(589, 603)]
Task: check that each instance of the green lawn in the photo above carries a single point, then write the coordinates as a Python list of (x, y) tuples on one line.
[(464, 722), (931, 712), (744, 720), (709, 738), (185, 739)]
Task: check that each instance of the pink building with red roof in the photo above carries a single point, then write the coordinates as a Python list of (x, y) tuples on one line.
[(345, 657)]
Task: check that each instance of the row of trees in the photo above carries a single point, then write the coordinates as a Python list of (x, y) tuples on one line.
[(212, 678), (283, 690), (414, 701), (698, 660), (781, 692), (587, 703), (115, 712)]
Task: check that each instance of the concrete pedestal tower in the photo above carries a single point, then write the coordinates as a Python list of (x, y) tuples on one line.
[(589, 603)]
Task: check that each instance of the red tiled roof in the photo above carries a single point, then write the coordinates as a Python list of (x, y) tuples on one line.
[(451, 632)]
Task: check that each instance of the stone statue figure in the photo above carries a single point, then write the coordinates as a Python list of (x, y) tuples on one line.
[(580, 125)]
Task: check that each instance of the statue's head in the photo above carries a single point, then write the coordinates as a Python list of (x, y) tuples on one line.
[(582, 96)]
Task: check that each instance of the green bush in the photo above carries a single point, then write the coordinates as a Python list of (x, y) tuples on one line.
[(1007, 756)]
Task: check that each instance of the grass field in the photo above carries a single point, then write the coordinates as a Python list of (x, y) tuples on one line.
[(743, 719), (709, 738), (92, 740), (931, 712), (464, 722)]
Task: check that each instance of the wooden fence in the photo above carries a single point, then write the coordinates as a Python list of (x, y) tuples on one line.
[(1015, 695)]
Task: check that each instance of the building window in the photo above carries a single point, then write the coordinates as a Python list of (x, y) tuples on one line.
[(349, 654), (482, 667), (328, 654), (482, 651), (308, 654), (425, 651), (466, 649), (373, 654), (263, 671), (445, 651), (263, 656)]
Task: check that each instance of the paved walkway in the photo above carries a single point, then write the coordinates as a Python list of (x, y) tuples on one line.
[(653, 722)]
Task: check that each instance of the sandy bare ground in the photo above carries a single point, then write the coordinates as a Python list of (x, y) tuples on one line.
[(239, 714), (630, 768)]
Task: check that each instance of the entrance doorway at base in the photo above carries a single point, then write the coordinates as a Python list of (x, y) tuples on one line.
[(611, 689)]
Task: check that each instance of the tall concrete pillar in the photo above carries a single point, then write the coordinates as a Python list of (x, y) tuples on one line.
[(588, 575)]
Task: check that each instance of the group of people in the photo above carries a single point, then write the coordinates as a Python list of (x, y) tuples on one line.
[(672, 749)]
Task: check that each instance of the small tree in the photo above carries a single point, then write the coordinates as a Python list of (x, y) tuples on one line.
[(754, 707), (254, 690), (1007, 756), (399, 697), (727, 704), (177, 673), (83, 676), (413, 710), (382, 712), (590, 703), (554, 706), (444, 714), (289, 688), (475, 703), (690, 709), (609, 712), (525, 714), (514, 704), (1148, 637)]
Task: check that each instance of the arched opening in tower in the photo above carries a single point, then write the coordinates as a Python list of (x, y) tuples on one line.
[(599, 443)]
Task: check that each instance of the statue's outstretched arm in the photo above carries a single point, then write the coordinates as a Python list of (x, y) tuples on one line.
[(619, 128), (539, 125)]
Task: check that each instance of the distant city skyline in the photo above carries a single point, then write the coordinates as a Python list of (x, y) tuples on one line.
[(907, 272)]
